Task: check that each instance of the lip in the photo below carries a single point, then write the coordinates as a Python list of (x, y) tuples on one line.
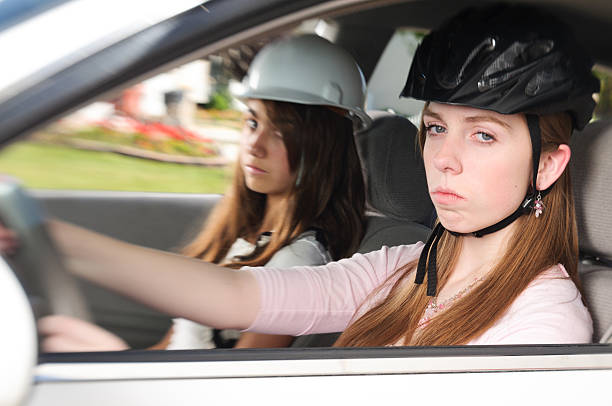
[(254, 170), (446, 196)]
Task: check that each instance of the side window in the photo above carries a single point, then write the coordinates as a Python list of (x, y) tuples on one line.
[(174, 132), (603, 110)]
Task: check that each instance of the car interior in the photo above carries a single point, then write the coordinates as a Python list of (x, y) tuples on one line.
[(590, 171), (400, 211), (382, 36)]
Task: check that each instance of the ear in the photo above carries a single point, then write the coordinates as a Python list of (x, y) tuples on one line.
[(552, 165)]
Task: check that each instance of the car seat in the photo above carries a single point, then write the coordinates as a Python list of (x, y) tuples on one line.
[(591, 169), (399, 208)]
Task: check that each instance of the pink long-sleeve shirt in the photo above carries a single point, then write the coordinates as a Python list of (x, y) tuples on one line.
[(309, 300)]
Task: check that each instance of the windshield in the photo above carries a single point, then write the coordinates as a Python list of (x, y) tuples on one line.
[(14, 11), (55, 39)]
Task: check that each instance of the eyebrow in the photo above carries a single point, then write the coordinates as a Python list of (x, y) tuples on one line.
[(471, 119), (252, 112), (428, 112)]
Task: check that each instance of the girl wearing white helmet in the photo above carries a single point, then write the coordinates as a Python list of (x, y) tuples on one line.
[(505, 86), (297, 196)]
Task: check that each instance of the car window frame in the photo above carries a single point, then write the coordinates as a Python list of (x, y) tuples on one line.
[(232, 363)]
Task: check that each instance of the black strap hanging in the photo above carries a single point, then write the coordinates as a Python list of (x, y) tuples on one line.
[(429, 250)]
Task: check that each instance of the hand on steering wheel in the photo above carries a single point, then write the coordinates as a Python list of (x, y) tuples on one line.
[(8, 241), (65, 334), (33, 256)]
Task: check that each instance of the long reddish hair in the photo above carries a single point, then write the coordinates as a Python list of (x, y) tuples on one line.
[(330, 195), (538, 244)]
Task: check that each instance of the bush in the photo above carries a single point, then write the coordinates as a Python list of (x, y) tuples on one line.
[(221, 100)]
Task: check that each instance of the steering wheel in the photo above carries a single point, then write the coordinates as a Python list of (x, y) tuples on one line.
[(37, 263)]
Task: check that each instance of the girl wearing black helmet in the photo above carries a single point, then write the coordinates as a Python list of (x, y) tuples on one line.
[(502, 100), (501, 264)]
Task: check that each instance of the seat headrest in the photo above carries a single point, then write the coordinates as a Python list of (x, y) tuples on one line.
[(394, 171), (591, 171)]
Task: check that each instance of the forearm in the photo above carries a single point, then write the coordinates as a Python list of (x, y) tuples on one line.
[(180, 286)]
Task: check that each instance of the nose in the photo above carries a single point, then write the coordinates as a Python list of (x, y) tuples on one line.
[(446, 157), (255, 144)]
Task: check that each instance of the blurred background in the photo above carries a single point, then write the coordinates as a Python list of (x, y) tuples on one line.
[(178, 131)]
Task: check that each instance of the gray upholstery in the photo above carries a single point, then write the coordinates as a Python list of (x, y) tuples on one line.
[(156, 220), (597, 285), (591, 167), (396, 183), (396, 193), (390, 232), (163, 221), (607, 336), (394, 171)]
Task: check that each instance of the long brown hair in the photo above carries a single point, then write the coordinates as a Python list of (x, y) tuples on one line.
[(541, 243), (329, 196)]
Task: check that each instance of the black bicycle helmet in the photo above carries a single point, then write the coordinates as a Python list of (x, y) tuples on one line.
[(509, 59), (505, 58)]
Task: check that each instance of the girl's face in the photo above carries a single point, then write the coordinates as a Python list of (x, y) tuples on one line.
[(478, 164), (263, 155)]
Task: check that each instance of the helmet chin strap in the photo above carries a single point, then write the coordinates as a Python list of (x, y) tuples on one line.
[(427, 260)]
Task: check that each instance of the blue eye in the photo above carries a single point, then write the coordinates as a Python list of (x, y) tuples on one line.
[(484, 137), (434, 129)]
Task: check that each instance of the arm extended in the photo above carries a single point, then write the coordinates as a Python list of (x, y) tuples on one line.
[(180, 286)]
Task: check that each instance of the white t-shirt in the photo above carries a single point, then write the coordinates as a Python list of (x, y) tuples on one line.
[(304, 250)]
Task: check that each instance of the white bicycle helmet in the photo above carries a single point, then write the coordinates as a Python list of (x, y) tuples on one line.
[(307, 69)]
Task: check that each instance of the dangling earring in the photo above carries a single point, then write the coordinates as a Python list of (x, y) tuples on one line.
[(538, 206)]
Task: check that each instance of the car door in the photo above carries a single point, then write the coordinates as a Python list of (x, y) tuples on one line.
[(505, 375)]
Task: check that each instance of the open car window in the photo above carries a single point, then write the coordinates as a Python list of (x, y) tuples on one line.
[(177, 131)]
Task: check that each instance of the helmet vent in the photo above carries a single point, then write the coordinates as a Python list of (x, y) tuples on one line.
[(487, 45), (552, 79), (505, 58), (518, 58)]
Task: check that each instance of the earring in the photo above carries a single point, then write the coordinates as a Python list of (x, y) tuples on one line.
[(538, 206)]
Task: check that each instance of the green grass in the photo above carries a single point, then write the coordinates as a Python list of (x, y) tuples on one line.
[(57, 167)]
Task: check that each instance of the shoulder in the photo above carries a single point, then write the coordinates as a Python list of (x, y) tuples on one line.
[(393, 257), (239, 247), (549, 311), (305, 249), (381, 265), (551, 287)]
